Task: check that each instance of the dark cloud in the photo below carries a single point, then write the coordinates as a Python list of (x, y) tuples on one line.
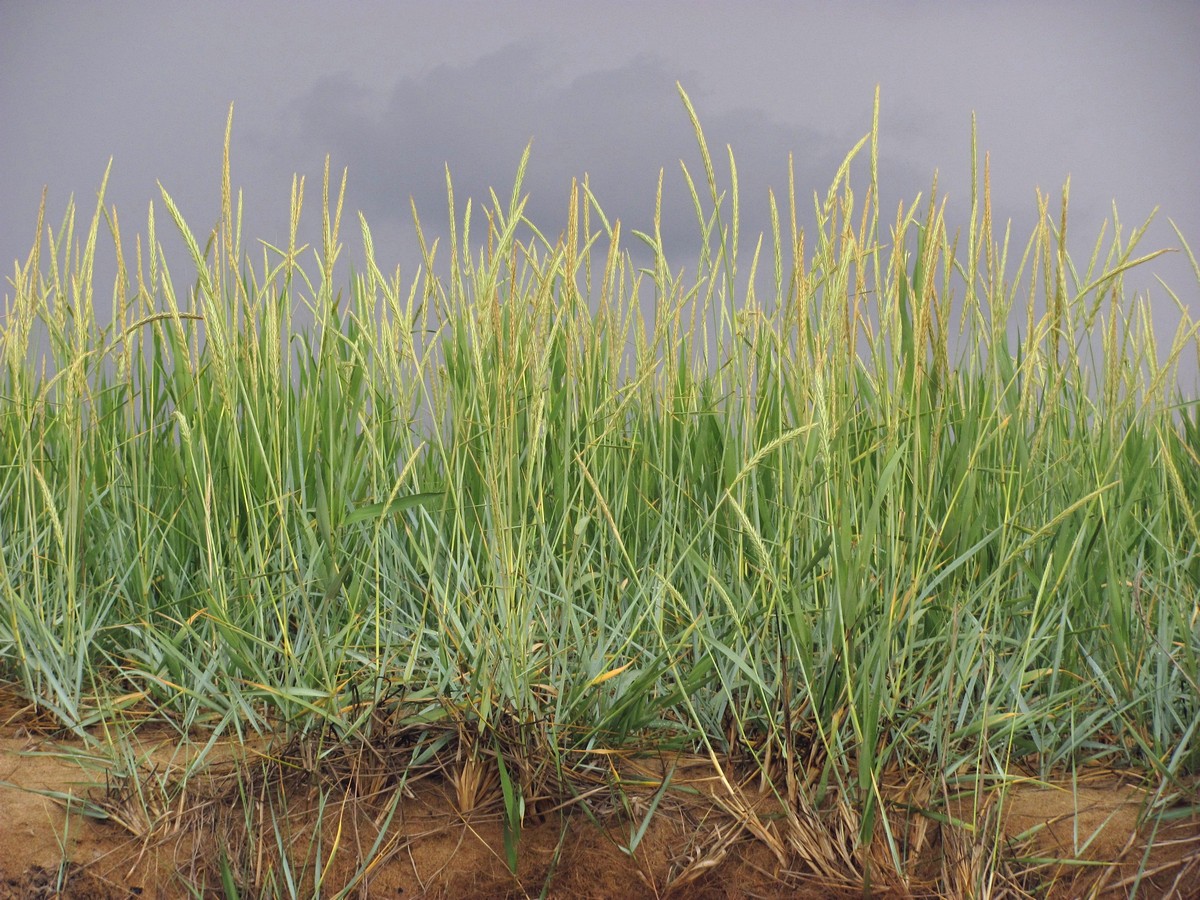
[(619, 125)]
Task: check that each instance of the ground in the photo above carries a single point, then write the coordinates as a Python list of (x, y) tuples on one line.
[(118, 843)]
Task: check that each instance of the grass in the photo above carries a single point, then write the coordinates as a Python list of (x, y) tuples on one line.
[(840, 528)]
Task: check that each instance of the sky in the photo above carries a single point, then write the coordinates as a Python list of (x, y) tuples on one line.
[(1106, 93)]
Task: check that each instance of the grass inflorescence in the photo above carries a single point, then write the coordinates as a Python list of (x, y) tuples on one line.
[(846, 532)]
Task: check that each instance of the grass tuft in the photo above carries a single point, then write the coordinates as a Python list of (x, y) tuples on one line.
[(849, 535)]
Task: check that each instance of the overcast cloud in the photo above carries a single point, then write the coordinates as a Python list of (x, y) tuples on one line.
[(1108, 93), (621, 125)]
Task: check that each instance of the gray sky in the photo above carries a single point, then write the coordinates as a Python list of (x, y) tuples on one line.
[(1106, 92)]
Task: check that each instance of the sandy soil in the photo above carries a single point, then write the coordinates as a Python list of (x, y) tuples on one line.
[(699, 843)]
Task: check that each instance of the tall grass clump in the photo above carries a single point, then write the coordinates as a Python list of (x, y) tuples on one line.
[(920, 513)]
